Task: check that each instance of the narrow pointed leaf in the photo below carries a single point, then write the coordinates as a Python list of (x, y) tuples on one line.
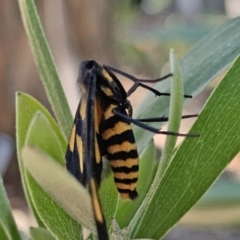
[(41, 234), (61, 186), (41, 134), (199, 66), (46, 65), (8, 226), (26, 108), (175, 114), (198, 162), (176, 103), (109, 198)]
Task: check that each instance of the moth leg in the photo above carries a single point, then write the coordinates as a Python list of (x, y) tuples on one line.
[(149, 128), (138, 82), (163, 118), (156, 92), (134, 79)]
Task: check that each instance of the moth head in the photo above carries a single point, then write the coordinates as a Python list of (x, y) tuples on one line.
[(87, 68)]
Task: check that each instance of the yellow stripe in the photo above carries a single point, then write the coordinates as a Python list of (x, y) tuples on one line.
[(130, 162), (125, 146), (118, 128), (83, 89), (80, 152), (96, 204), (72, 138), (82, 110), (131, 186), (97, 151), (97, 111), (122, 175), (107, 91), (125, 196), (106, 75)]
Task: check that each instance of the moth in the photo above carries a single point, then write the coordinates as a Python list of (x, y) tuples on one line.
[(102, 127)]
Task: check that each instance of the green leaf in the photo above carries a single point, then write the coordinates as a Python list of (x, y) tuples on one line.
[(3, 234), (26, 108), (176, 103), (70, 198), (41, 234), (175, 114), (24, 236), (8, 228), (109, 197), (41, 134), (147, 169), (60, 223), (197, 162), (144, 239), (46, 65), (199, 66)]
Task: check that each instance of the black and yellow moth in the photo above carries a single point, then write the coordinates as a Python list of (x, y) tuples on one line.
[(102, 127)]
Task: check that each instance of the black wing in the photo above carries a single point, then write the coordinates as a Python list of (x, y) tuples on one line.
[(83, 157)]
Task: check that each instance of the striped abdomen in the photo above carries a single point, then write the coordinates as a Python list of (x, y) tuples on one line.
[(121, 152)]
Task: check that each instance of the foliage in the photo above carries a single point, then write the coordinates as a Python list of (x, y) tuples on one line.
[(61, 205)]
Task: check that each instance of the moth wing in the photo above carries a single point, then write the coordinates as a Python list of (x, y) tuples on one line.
[(75, 160), (83, 158), (93, 153)]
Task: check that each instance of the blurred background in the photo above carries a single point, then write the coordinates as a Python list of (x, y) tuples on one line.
[(132, 35)]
